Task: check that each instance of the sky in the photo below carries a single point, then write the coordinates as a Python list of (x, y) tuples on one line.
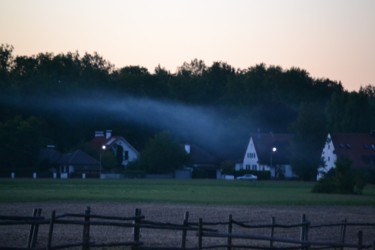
[(332, 39)]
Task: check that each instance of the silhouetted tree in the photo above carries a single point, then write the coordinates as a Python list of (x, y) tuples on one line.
[(161, 155), (309, 133)]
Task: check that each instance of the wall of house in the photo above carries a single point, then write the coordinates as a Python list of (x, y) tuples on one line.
[(328, 156)]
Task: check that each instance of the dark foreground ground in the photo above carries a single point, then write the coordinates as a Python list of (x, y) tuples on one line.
[(16, 236)]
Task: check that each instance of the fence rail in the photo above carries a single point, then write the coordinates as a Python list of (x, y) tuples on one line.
[(231, 234)]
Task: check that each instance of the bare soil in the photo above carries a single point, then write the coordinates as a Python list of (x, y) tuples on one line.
[(16, 236)]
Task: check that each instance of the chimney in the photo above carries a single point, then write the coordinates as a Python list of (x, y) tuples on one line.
[(108, 134), (187, 148), (99, 133)]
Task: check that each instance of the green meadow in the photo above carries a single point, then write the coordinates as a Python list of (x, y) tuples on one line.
[(199, 192)]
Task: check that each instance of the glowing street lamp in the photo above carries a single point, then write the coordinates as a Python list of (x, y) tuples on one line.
[(274, 149), (100, 166)]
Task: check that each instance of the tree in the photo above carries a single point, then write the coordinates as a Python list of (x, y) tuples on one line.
[(6, 60), (20, 142), (194, 68), (161, 155), (309, 133)]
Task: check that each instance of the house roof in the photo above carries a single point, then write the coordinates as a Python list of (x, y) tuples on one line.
[(359, 148), (199, 156), (50, 154), (99, 141), (79, 158), (264, 142)]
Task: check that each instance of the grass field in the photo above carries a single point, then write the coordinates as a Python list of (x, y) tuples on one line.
[(203, 192)]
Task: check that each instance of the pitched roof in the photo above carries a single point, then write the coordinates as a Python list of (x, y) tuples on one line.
[(79, 157), (99, 141), (50, 154), (359, 148), (264, 142), (199, 156)]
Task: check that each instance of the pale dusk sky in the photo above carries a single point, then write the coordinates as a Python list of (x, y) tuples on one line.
[(329, 38)]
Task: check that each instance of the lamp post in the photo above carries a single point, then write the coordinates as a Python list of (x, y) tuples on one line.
[(100, 166), (273, 150)]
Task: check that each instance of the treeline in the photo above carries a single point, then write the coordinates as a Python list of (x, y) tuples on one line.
[(266, 98)]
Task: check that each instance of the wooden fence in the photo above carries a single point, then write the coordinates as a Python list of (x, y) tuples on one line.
[(229, 235)]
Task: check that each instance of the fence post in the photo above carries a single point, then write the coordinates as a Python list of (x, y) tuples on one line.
[(136, 229), (200, 233), (360, 240), (272, 231), (184, 230), (230, 228), (86, 230), (34, 228), (304, 231), (50, 232), (343, 232)]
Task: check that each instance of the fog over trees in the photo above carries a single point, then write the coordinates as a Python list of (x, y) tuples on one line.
[(62, 99)]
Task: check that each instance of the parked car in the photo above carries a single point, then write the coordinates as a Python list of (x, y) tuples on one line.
[(248, 177)]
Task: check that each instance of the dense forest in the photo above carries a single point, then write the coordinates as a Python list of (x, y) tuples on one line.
[(62, 99)]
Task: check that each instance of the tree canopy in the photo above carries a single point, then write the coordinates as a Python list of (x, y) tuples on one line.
[(260, 97)]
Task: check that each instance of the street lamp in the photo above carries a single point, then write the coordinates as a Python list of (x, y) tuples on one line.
[(100, 166), (274, 149)]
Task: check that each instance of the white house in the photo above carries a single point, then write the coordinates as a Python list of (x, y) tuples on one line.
[(359, 148), (268, 152), (120, 147)]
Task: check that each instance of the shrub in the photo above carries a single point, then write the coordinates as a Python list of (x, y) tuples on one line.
[(342, 180)]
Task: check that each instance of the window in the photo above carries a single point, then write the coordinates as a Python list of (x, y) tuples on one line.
[(126, 155), (247, 167), (250, 155), (328, 158)]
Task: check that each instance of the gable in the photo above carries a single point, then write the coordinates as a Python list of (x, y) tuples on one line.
[(118, 140), (99, 141)]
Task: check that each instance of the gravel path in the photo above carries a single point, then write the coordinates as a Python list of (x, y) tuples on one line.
[(16, 236)]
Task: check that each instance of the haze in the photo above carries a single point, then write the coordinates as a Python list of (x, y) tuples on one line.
[(330, 39)]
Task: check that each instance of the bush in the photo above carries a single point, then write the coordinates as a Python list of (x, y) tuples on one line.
[(342, 180)]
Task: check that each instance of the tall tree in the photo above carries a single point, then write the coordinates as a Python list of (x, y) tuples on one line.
[(20, 142), (309, 133), (161, 155), (6, 61)]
